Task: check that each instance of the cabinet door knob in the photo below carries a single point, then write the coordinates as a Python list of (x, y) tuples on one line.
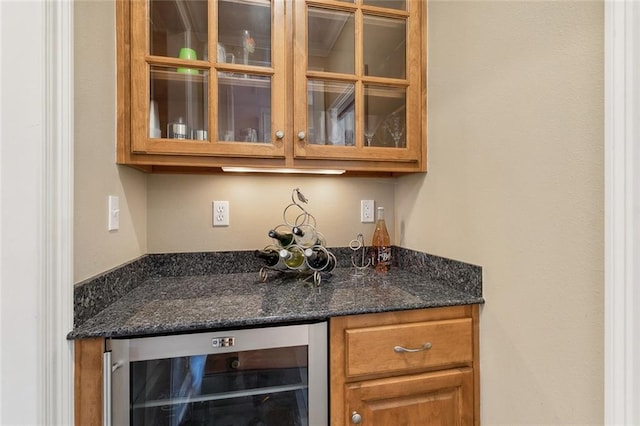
[(279, 134), (424, 347), (356, 418), (301, 135)]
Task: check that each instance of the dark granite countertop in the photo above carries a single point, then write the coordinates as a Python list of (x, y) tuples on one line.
[(206, 301)]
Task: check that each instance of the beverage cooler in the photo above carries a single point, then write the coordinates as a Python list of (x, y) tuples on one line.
[(254, 377)]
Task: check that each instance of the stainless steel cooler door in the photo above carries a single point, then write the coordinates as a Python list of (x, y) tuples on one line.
[(267, 376)]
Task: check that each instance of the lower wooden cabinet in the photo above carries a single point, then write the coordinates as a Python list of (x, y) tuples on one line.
[(403, 368), (441, 398), (409, 368)]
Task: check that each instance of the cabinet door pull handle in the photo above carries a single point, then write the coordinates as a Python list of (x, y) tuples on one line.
[(424, 347), (301, 135), (279, 134), (356, 418)]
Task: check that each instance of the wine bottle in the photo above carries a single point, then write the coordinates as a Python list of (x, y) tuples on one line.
[(293, 258), (381, 244), (285, 239), (270, 256), (305, 236), (320, 260)]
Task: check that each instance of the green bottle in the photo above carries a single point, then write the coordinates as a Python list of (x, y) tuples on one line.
[(284, 239)]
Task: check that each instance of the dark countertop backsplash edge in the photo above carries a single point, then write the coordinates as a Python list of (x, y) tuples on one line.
[(95, 294)]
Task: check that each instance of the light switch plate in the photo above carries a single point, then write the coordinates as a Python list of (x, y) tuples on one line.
[(113, 221)]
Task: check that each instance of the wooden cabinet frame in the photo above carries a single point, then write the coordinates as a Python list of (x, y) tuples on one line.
[(88, 381), (289, 78)]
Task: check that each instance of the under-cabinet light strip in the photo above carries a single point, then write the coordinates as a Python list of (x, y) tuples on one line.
[(282, 170)]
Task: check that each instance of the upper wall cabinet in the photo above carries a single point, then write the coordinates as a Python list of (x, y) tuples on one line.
[(205, 84)]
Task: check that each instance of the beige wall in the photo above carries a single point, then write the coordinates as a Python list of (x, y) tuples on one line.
[(515, 184), (96, 174), (180, 215)]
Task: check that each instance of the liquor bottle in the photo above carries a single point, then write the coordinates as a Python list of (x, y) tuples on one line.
[(285, 239), (293, 258), (320, 260), (271, 256), (381, 244)]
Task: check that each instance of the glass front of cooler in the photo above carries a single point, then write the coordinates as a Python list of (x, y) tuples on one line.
[(264, 387), (226, 379)]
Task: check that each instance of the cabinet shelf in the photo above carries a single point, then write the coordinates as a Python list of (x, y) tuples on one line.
[(244, 81), (167, 75), (220, 396)]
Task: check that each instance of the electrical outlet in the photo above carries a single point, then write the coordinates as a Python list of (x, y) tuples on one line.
[(367, 211), (113, 221), (220, 213)]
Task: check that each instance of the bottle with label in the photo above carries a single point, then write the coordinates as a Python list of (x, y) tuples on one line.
[(381, 244), (285, 239), (293, 257)]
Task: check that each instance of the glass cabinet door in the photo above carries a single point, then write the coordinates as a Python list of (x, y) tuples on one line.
[(359, 89), (203, 77)]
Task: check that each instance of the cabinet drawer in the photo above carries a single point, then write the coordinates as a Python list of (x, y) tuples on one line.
[(371, 350)]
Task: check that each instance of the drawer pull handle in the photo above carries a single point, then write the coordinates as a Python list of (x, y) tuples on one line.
[(424, 347)]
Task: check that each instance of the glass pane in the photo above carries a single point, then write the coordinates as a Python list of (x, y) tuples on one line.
[(331, 41), (174, 25), (330, 117), (390, 4), (244, 107), (178, 106), (385, 47), (244, 32), (385, 117), (266, 387)]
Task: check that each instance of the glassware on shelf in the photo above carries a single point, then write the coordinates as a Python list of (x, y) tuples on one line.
[(188, 54), (395, 128), (336, 132), (154, 120), (370, 127), (177, 129), (248, 46)]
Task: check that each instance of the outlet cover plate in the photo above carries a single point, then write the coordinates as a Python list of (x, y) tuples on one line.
[(367, 211), (220, 213)]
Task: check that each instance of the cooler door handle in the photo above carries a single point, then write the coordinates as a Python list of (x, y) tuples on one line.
[(106, 389)]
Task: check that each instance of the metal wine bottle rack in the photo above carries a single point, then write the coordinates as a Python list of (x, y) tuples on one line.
[(301, 224)]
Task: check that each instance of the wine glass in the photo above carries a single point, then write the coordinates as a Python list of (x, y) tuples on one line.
[(370, 128), (395, 128)]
